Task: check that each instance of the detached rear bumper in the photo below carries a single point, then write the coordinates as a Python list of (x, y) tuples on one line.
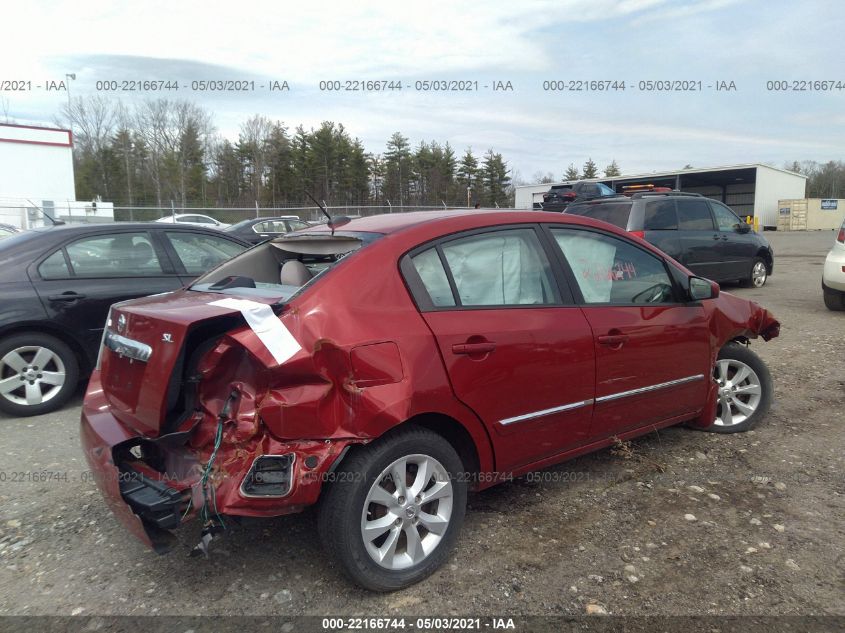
[(264, 477), (99, 433)]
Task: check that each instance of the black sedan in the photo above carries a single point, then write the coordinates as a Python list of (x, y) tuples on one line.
[(259, 230), (58, 283)]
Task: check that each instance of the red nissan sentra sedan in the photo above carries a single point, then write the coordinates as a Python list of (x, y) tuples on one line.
[(383, 368)]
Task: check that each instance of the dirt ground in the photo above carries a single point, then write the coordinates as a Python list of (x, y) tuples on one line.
[(684, 523)]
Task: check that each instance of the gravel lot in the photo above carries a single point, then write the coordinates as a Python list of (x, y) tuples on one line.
[(684, 523)]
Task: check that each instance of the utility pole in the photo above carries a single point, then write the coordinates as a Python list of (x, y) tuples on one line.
[(69, 76)]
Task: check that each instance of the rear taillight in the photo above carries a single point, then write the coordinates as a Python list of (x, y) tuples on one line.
[(570, 195), (639, 234), (841, 237)]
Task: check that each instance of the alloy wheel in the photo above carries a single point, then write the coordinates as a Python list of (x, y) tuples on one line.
[(407, 511), (758, 274), (740, 392), (31, 375)]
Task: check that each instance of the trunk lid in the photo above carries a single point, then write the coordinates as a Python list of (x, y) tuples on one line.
[(147, 344)]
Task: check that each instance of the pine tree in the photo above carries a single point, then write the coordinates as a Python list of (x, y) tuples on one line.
[(397, 169), (468, 176), (612, 170), (589, 170), (571, 173), (495, 179)]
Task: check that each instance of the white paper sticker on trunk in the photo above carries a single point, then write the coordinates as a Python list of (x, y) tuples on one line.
[(267, 327)]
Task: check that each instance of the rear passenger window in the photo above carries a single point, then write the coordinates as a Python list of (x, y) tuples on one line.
[(694, 215), (54, 267), (615, 213), (499, 268), (431, 272), (611, 270), (660, 216)]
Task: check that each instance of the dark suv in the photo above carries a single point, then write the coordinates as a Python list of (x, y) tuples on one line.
[(558, 197), (704, 235)]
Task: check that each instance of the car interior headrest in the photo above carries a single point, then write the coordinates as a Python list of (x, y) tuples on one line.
[(294, 273)]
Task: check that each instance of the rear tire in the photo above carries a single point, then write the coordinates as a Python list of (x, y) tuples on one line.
[(834, 299), (38, 373), (361, 499), (758, 274), (745, 390)]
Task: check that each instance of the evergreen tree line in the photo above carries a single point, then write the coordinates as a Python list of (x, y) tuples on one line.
[(164, 150), (588, 170)]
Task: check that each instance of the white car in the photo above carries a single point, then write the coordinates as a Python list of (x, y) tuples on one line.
[(195, 219), (833, 277)]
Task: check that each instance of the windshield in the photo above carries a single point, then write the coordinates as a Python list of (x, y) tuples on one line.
[(279, 268)]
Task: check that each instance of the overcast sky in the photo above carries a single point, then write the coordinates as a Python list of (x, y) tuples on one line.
[(748, 42)]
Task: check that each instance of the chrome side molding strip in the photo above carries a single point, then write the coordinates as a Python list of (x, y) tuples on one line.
[(540, 414), (662, 385)]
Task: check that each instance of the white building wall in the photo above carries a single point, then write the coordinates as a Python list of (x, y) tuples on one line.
[(36, 163), (524, 195), (774, 185)]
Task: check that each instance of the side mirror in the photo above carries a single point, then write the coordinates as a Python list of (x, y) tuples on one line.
[(742, 227), (700, 289)]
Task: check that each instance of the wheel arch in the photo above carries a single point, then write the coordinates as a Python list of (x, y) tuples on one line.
[(84, 362), (474, 448), (766, 255)]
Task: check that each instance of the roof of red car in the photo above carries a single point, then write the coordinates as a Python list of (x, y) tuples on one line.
[(392, 222)]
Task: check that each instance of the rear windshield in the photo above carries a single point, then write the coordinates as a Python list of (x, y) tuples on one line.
[(279, 268), (615, 213)]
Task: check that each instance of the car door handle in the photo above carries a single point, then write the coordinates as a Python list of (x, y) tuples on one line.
[(66, 296), (473, 348), (612, 340), (717, 236)]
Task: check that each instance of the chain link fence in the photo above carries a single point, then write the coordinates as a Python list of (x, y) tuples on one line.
[(29, 214), (231, 215)]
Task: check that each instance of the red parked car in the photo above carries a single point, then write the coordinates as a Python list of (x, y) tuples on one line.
[(383, 368)]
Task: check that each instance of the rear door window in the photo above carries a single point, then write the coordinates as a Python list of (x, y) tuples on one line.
[(615, 213), (694, 215), (660, 216), (54, 267), (497, 268)]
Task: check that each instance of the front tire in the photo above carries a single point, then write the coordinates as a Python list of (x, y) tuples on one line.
[(394, 509), (757, 276), (745, 389), (38, 373)]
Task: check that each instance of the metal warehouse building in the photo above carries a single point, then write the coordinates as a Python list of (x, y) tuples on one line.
[(748, 189)]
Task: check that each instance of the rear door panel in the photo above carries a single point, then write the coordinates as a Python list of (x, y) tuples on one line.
[(514, 352)]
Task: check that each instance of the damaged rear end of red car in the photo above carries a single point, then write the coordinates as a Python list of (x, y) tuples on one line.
[(195, 409)]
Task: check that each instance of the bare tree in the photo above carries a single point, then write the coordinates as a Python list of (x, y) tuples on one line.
[(93, 121), (4, 109), (252, 144)]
